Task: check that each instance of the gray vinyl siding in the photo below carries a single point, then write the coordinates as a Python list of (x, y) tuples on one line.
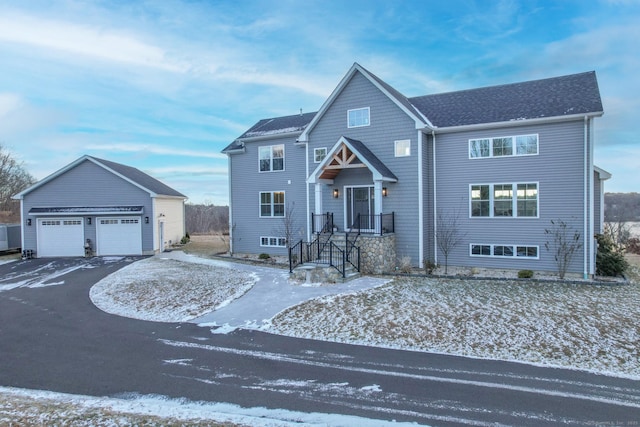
[(558, 169), (87, 185), (428, 183), (388, 123), (247, 182), (597, 205)]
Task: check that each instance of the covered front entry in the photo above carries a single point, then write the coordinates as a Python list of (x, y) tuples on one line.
[(60, 237), (119, 236), (359, 207)]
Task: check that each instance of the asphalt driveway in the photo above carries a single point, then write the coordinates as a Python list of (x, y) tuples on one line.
[(53, 338)]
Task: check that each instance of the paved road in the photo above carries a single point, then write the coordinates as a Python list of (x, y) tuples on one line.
[(53, 338)]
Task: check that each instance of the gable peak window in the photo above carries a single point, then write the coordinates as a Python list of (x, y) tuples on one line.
[(271, 158), (358, 117)]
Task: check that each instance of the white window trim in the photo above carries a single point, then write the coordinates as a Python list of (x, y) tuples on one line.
[(514, 247), (272, 204), (315, 157), (271, 158), (514, 200), (359, 109), (514, 147), (395, 147), (278, 240)]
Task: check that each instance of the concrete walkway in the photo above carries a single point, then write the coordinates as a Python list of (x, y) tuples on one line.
[(271, 294)]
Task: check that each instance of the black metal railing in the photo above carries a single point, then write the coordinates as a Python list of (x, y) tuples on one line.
[(320, 252), (321, 223), (374, 224)]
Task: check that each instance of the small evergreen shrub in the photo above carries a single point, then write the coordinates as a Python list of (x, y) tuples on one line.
[(610, 257), (525, 274), (429, 266), (185, 240), (264, 256)]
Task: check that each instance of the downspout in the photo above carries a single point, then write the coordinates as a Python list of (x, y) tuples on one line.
[(585, 195), (22, 223), (420, 201), (306, 184), (435, 198), (230, 206), (592, 231)]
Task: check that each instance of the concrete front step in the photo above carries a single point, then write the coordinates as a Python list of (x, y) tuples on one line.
[(322, 273)]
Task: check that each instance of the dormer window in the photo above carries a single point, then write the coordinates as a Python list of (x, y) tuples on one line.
[(358, 117)]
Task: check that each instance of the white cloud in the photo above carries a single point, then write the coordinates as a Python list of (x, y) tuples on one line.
[(75, 39), (154, 149)]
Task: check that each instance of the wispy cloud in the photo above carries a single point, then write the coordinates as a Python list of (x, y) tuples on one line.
[(99, 43), (155, 149)]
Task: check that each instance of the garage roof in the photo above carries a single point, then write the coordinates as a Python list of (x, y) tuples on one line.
[(132, 175)]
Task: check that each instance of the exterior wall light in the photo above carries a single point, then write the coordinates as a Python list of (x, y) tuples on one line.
[(29, 221), (384, 191), (146, 220), (336, 193), (89, 220)]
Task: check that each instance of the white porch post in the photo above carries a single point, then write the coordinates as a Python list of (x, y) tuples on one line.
[(318, 208), (377, 196)]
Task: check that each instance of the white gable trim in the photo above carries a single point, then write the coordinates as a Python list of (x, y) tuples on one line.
[(72, 165), (314, 178), (419, 119)]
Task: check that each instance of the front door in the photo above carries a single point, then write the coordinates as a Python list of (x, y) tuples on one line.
[(360, 208)]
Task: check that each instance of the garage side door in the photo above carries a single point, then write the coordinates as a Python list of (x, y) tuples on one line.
[(119, 236), (60, 237)]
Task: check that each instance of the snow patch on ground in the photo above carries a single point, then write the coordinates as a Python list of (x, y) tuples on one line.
[(34, 407), (167, 290), (584, 326)]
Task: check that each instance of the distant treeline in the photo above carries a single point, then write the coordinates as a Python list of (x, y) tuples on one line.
[(621, 207), (206, 219)]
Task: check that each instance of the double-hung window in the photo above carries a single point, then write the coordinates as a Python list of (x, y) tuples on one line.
[(503, 146), (358, 117), (271, 204), (504, 200), (271, 158)]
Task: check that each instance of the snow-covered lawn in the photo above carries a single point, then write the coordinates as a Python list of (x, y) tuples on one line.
[(165, 290), (583, 326)]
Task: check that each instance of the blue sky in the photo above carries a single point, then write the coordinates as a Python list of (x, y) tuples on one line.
[(165, 85)]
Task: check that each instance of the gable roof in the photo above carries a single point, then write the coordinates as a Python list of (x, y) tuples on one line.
[(128, 173), (557, 97), (396, 97), (275, 126), (369, 160), (570, 95)]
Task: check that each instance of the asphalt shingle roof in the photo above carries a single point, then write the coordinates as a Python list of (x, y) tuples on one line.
[(371, 158), (140, 178), (573, 94), (553, 97)]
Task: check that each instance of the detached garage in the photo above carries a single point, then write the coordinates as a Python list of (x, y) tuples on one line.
[(98, 207)]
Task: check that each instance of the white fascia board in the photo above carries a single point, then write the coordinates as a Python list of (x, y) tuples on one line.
[(270, 136), (604, 175), (51, 177), (419, 119), (514, 123), (304, 137)]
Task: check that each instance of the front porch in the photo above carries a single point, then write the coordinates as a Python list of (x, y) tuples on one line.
[(368, 246)]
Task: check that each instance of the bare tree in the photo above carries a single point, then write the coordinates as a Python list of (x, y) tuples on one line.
[(289, 228), (564, 243), (618, 231), (13, 179), (448, 234), (207, 218)]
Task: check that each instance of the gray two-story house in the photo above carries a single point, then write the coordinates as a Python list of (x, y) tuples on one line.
[(491, 166)]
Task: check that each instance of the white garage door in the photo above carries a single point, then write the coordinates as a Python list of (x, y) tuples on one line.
[(119, 236), (60, 237)]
